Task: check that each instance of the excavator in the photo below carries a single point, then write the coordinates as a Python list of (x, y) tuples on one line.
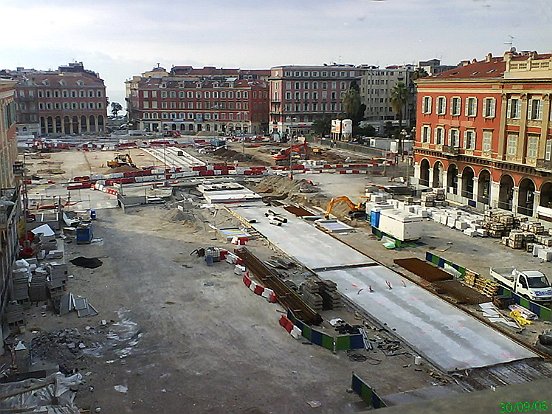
[(121, 160), (282, 157), (356, 210)]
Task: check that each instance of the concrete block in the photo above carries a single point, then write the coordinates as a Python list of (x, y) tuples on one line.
[(461, 225), (470, 232), (545, 254)]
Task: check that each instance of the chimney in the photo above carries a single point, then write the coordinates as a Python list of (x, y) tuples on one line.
[(474, 60), (508, 56), (464, 63), (489, 57)]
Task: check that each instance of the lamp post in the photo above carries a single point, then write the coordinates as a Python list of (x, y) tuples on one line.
[(291, 150)]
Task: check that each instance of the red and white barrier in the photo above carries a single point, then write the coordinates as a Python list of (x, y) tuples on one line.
[(288, 325), (266, 293)]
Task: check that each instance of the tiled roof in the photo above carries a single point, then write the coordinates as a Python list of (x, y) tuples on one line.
[(494, 68)]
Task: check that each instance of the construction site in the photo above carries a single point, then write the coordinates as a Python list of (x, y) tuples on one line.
[(211, 276)]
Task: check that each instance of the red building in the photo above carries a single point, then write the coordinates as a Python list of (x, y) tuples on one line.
[(70, 100), (192, 100), (484, 133)]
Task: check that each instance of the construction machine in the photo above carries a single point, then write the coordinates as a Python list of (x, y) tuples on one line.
[(356, 210), (121, 160), (282, 157)]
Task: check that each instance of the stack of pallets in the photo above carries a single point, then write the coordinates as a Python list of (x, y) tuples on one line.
[(487, 287), (311, 295), (330, 296)]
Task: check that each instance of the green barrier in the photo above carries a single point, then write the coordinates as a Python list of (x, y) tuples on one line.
[(441, 262), (338, 343), (544, 313), (366, 392)]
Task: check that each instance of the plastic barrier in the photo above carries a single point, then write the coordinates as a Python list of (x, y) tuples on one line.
[(338, 343), (260, 290), (366, 392), (441, 262)]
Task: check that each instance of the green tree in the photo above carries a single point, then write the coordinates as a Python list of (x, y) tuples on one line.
[(322, 126), (353, 107), (368, 131), (115, 108), (399, 98)]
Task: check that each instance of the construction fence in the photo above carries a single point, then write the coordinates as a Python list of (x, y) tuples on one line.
[(542, 312), (332, 343), (366, 392), (444, 263)]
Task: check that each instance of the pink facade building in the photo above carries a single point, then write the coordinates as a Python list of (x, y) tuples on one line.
[(301, 94)]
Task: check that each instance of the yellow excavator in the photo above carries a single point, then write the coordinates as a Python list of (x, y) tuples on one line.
[(120, 160), (355, 210)]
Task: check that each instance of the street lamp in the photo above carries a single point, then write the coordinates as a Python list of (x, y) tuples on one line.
[(291, 151)]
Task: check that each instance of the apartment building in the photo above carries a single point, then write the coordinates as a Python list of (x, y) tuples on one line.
[(301, 94), (376, 87), (484, 132), (10, 208), (69, 100), (190, 100)]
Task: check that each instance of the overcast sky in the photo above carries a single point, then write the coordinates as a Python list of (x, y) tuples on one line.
[(119, 39)]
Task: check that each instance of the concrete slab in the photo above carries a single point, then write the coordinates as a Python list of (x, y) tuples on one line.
[(446, 336), (301, 240)]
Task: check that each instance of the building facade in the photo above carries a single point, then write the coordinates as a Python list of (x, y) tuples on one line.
[(301, 94), (433, 66), (10, 208), (188, 100), (376, 86), (70, 100), (484, 132)]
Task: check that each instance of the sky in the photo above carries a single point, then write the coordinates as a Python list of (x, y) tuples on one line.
[(119, 39)]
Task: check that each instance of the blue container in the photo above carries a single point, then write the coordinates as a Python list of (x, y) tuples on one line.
[(93, 214), (209, 260), (374, 218), (84, 235)]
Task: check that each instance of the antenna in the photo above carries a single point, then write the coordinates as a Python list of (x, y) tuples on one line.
[(510, 42)]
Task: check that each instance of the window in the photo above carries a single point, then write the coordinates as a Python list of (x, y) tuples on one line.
[(469, 139), (172, 94), (532, 146), (511, 145), (487, 140), (514, 108), (535, 109), (471, 106), (145, 94), (146, 105), (91, 94), (439, 135), (489, 107), (548, 153), (426, 133), (99, 93), (154, 104), (154, 95), (163, 94), (190, 94), (454, 137), (426, 105), (441, 105)]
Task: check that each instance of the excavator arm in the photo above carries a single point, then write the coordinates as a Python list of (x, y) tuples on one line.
[(343, 199)]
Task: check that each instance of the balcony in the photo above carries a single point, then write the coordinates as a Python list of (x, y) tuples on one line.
[(450, 150), (544, 165)]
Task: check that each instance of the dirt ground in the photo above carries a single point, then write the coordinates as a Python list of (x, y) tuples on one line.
[(186, 337), (198, 340)]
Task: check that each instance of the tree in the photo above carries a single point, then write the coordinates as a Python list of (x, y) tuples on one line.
[(115, 108), (352, 105), (399, 98), (322, 126)]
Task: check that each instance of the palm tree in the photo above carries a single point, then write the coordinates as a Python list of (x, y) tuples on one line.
[(399, 98)]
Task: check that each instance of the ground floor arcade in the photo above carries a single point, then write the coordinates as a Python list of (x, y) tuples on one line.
[(523, 192)]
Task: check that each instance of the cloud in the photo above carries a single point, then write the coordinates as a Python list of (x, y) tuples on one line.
[(121, 39)]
